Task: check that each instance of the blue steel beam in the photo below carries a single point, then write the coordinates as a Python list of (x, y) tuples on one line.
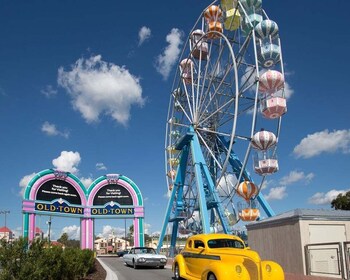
[(176, 192)]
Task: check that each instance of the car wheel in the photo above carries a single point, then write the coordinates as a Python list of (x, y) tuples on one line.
[(177, 273), (211, 276), (161, 266), (134, 264)]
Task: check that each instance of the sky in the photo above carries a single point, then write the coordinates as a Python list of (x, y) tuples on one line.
[(85, 87)]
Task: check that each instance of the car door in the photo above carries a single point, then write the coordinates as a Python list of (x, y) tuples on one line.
[(196, 258), (128, 257)]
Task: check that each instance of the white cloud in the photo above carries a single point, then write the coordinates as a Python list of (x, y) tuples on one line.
[(49, 91), (324, 198), (144, 34), (86, 181), (24, 182), (147, 228), (277, 193), (296, 176), (288, 91), (109, 230), (2, 92), (98, 87), (323, 142), (100, 166), (72, 231), (169, 57), (51, 130), (67, 161)]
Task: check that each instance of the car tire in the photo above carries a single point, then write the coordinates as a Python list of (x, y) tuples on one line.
[(211, 276), (177, 272), (134, 264), (161, 266)]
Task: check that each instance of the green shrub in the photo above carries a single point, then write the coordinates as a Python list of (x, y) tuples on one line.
[(41, 263)]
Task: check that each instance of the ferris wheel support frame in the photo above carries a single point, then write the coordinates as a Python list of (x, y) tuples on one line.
[(190, 142)]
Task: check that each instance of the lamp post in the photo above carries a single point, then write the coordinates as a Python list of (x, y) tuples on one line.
[(124, 234), (49, 225), (5, 212)]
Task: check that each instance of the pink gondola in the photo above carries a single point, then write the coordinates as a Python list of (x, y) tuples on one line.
[(271, 81), (274, 107)]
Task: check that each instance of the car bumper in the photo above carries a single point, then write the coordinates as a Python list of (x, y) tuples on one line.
[(151, 263)]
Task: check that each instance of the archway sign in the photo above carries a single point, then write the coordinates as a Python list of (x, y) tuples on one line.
[(112, 196)]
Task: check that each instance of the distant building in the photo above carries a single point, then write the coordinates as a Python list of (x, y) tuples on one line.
[(6, 234), (39, 233), (110, 245)]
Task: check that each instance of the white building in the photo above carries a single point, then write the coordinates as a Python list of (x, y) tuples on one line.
[(6, 234), (305, 241), (110, 245)]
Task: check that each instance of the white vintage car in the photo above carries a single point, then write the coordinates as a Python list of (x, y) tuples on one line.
[(144, 256)]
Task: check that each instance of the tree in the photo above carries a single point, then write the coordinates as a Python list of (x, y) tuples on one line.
[(63, 239), (342, 201)]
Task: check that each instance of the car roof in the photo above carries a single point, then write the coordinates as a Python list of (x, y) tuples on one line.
[(215, 236)]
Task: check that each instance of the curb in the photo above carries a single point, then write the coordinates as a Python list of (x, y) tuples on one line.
[(111, 275)]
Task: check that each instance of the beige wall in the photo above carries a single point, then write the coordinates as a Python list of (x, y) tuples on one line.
[(284, 242), (280, 243)]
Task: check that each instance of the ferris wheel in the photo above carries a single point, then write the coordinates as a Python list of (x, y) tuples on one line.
[(224, 119)]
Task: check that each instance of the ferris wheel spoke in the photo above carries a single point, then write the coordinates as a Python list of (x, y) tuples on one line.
[(211, 76), (209, 150), (188, 103)]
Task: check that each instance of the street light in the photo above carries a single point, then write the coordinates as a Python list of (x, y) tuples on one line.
[(49, 234), (5, 212)]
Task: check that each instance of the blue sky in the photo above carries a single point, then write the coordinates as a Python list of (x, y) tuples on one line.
[(55, 55)]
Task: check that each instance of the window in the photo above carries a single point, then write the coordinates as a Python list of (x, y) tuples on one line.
[(225, 243), (198, 243)]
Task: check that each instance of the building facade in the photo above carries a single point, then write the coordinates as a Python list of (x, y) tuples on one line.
[(305, 241)]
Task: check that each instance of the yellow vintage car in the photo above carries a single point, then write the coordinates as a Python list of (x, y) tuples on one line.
[(222, 257)]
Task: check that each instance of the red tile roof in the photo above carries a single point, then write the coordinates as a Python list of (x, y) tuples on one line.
[(5, 229)]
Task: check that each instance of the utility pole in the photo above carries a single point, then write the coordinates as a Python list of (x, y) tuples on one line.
[(49, 234), (125, 234), (5, 212)]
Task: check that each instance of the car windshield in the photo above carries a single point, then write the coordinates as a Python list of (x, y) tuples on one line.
[(225, 243), (144, 251)]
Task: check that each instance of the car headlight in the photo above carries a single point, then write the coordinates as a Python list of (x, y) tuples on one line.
[(163, 260), (268, 268), (141, 260), (238, 269)]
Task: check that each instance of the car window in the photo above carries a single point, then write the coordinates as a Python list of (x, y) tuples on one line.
[(145, 251), (225, 243), (190, 244), (198, 243)]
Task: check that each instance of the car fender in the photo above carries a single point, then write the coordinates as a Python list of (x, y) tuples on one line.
[(226, 271), (275, 271), (180, 261)]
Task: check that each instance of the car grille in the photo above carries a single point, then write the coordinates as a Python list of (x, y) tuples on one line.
[(152, 260)]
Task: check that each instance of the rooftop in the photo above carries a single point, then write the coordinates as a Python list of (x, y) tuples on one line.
[(5, 229), (304, 214)]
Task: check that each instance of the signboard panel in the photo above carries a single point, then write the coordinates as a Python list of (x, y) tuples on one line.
[(56, 189), (59, 207), (113, 192)]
